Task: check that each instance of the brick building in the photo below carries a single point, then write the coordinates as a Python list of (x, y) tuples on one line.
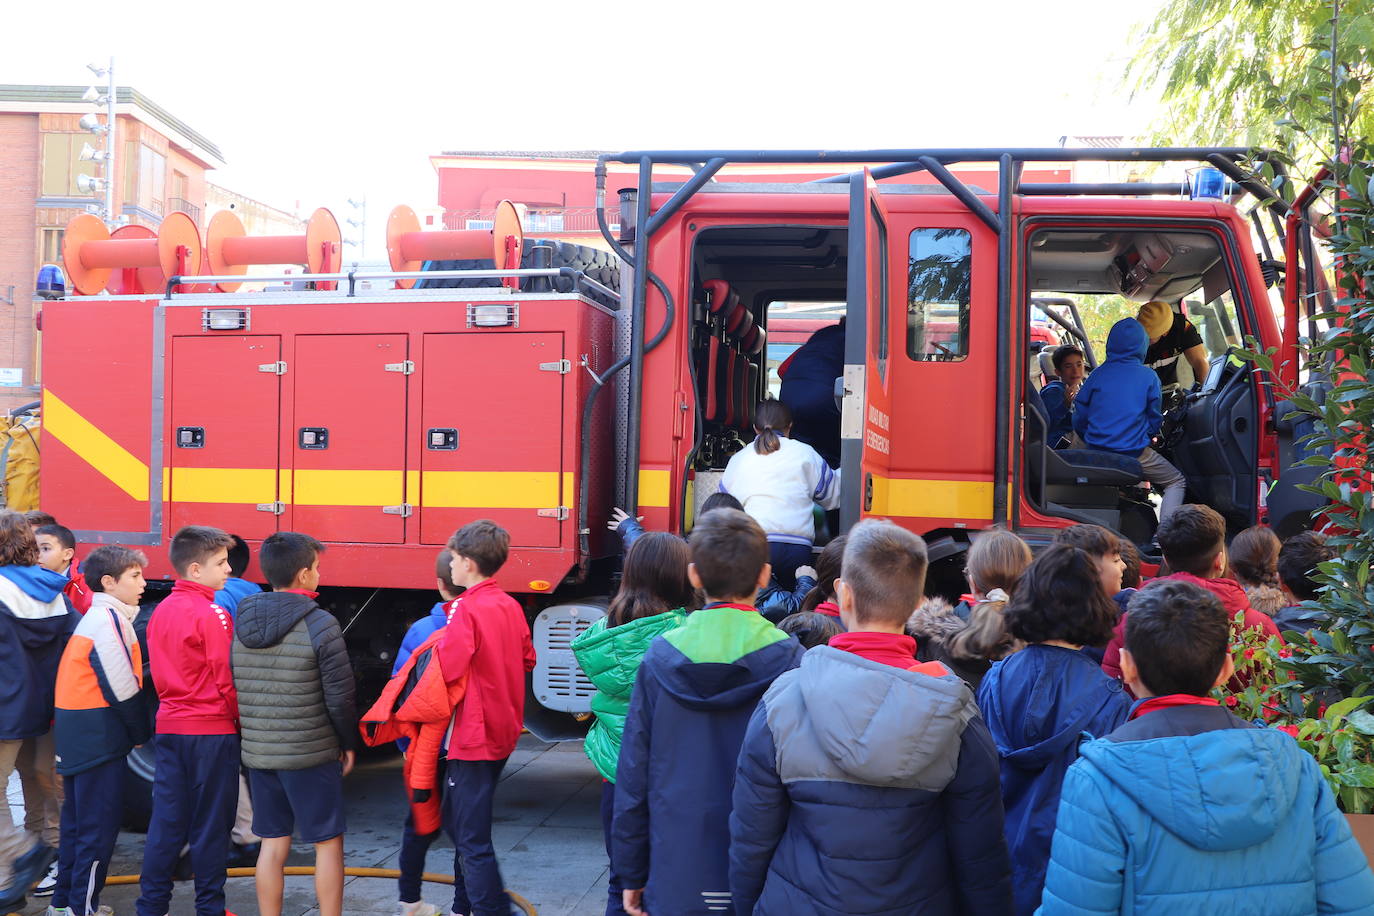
[(162, 164)]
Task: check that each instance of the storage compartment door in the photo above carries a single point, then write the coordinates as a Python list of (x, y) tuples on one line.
[(493, 426), (348, 437), (225, 414)]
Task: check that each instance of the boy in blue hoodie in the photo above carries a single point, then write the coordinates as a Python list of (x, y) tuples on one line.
[(691, 703), (1118, 410), (1188, 809), (870, 762)]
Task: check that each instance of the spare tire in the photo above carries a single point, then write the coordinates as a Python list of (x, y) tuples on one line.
[(597, 264)]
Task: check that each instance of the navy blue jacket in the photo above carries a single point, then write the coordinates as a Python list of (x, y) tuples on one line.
[(776, 602), (1058, 410), (1038, 703), (866, 788), (35, 623), (691, 703), (808, 390), (1118, 407)]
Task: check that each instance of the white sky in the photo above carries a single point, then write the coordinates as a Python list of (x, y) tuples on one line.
[(314, 102)]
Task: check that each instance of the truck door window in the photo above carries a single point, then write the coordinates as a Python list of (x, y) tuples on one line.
[(939, 277), (1217, 322)]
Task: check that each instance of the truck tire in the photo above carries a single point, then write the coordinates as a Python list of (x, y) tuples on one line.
[(138, 788), (599, 265)]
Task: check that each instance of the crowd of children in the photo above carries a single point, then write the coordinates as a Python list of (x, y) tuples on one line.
[(266, 690), (1049, 744)]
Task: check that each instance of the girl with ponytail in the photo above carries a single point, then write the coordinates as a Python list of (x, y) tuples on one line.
[(779, 481)]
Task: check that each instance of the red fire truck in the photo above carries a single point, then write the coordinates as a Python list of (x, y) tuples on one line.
[(381, 420)]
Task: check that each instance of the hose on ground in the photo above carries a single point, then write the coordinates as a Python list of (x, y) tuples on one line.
[(308, 870)]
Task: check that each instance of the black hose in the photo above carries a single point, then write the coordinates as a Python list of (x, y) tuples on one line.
[(584, 469)]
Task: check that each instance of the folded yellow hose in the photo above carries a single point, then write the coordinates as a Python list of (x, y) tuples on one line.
[(525, 906)]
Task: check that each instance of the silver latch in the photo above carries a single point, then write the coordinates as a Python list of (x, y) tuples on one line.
[(560, 513), (277, 368), (404, 510), (274, 508), (405, 367), (561, 366)]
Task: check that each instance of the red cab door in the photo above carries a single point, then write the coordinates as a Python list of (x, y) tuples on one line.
[(866, 412), (492, 418), (347, 437), (224, 420)]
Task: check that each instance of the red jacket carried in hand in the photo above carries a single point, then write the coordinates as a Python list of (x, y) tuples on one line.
[(417, 704), (189, 639), (1233, 599), (76, 589), (487, 640)]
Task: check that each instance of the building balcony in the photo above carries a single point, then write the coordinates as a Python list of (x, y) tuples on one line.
[(175, 204), (568, 221)]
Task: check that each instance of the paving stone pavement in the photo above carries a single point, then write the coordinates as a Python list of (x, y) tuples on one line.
[(547, 833)]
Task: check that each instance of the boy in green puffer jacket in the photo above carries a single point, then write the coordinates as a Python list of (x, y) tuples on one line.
[(654, 598)]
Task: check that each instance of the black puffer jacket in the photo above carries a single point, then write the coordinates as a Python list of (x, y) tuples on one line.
[(295, 684)]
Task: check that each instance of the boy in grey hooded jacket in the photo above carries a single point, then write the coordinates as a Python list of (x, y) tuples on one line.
[(867, 782)]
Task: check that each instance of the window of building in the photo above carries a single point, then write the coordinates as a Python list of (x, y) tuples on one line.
[(62, 164), (50, 246), (152, 179), (939, 278)]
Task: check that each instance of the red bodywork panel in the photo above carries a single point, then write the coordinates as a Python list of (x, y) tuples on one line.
[(379, 425)]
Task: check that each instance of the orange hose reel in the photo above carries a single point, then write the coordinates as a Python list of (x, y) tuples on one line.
[(410, 248), (229, 250), (90, 253)]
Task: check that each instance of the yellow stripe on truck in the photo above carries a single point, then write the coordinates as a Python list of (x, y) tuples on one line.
[(653, 489), (320, 487), (491, 489), (917, 498), (108, 457), (223, 485)]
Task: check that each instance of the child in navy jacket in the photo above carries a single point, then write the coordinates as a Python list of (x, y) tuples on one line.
[(691, 703), (1039, 701), (875, 765)]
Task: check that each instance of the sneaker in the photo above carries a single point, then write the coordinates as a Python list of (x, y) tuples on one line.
[(419, 908), (26, 871), (59, 911), (48, 884), (103, 911)]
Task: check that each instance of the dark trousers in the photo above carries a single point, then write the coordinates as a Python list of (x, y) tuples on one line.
[(614, 887), (414, 848), (91, 812), (195, 798), (467, 818), (785, 559)]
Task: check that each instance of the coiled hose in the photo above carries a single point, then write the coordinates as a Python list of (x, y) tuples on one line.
[(309, 870)]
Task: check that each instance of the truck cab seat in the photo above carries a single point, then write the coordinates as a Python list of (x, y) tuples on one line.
[(1082, 484)]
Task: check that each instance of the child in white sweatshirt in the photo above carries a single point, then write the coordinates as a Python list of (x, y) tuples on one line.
[(778, 480)]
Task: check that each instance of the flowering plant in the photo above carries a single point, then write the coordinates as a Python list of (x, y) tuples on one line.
[(1267, 690)]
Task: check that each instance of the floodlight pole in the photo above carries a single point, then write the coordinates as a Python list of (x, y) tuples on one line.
[(111, 218)]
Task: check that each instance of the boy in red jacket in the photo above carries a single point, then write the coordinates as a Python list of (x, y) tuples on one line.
[(488, 641), (1193, 540), (197, 743)]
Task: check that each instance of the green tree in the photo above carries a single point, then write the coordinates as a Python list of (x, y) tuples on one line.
[(1253, 72)]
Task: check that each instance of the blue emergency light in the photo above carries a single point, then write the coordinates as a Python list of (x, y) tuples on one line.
[(51, 284), (1207, 184)]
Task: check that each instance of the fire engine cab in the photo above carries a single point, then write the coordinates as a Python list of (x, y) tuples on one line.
[(380, 420)]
